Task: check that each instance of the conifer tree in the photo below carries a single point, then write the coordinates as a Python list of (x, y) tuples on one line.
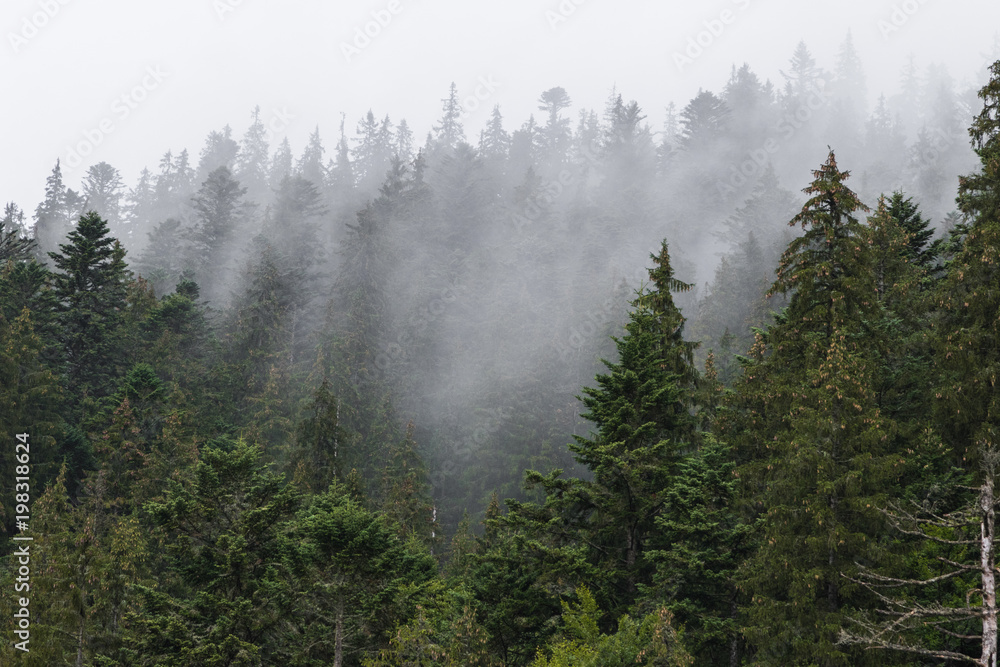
[(252, 161), (103, 190), (53, 218), (818, 451), (14, 243), (644, 428), (90, 283), (970, 296), (220, 150), (322, 456), (220, 211), (448, 133)]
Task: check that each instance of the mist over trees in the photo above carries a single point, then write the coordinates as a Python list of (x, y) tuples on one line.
[(563, 390)]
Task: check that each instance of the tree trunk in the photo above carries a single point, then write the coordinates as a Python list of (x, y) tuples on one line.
[(79, 641), (987, 526), (338, 640), (734, 640)]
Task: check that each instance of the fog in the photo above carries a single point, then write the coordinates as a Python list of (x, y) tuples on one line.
[(448, 206)]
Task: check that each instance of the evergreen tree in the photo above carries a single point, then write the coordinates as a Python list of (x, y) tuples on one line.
[(230, 593), (103, 190), (90, 283), (361, 579), (53, 218), (644, 428), (220, 150), (162, 261), (310, 165), (29, 403), (14, 242), (281, 164), (321, 457), (252, 162), (970, 296), (220, 211), (448, 133), (818, 452), (404, 142)]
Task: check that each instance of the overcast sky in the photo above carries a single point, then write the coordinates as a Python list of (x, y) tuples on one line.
[(129, 80)]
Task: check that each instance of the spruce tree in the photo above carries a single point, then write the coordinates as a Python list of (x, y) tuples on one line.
[(641, 409), (90, 280), (14, 243), (816, 449), (970, 296)]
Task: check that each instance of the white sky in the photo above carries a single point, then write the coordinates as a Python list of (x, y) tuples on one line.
[(62, 74)]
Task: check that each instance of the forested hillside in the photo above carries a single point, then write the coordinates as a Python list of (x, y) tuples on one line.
[(583, 392)]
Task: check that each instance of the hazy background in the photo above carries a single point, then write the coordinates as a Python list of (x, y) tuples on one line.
[(222, 57), (492, 276)]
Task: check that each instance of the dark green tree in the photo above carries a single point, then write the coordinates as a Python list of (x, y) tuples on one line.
[(228, 594), (817, 451), (641, 408), (90, 282)]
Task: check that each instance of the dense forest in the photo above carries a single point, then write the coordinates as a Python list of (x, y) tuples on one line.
[(577, 393)]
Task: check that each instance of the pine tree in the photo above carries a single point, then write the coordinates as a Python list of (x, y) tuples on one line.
[(494, 141), (358, 575), (404, 142), (220, 210), (555, 135), (281, 164), (15, 244), (252, 161), (220, 150), (103, 190), (232, 593), (448, 133), (52, 216), (818, 452), (162, 260), (970, 296), (90, 283), (703, 543), (407, 500), (644, 428), (29, 403), (139, 210), (310, 165), (322, 456)]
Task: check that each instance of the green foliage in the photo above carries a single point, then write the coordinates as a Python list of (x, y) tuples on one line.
[(650, 641), (225, 535), (29, 403), (818, 453), (704, 542), (359, 578), (90, 284)]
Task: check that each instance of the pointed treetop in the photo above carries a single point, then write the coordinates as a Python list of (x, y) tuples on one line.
[(832, 201)]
